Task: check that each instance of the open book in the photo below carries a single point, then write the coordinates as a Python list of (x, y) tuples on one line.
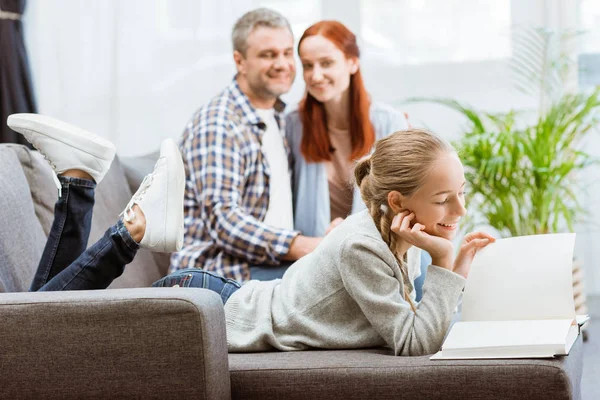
[(518, 301)]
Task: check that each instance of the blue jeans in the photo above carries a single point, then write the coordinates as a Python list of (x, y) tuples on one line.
[(65, 262), (67, 265), (269, 272), (199, 278)]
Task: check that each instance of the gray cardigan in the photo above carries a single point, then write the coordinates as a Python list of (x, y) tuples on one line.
[(310, 187), (346, 294)]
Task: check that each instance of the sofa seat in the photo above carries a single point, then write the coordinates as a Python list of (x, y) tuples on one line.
[(377, 374)]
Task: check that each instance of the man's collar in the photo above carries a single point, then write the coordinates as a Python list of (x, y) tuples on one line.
[(279, 105), (244, 102)]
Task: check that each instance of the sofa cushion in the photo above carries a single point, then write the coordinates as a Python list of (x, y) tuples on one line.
[(43, 191), (22, 238), (377, 374)]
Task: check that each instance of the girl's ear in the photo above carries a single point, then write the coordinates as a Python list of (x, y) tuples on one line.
[(395, 200)]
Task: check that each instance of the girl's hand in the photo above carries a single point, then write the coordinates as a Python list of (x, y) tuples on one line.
[(471, 245), (440, 249)]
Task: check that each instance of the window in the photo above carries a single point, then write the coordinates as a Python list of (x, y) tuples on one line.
[(300, 13), (589, 22), (430, 31), (589, 55)]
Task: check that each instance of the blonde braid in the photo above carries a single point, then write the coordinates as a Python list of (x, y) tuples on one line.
[(390, 239), (382, 223)]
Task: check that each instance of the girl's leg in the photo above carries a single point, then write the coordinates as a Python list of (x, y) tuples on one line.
[(99, 265), (199, 278), (70, 230), (152, 220), (154, 214)]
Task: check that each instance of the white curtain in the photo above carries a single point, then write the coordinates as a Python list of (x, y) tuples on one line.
[(134, 71)]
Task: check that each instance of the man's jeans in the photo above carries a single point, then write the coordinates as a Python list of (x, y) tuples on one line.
[(198, 278), (269, 272), (65, 262), (425, 261)]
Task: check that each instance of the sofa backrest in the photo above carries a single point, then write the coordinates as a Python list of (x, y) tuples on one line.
[(22, 237), (27, 197)]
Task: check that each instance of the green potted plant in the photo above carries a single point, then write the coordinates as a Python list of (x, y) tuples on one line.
[(524, 180)]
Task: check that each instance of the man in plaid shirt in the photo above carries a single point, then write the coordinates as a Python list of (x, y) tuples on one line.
[(237, 161)]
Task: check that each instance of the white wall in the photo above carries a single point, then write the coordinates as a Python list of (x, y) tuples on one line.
[(134, 71)]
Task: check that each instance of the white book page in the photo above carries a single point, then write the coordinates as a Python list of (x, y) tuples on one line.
[(487, 335), (522, 278)]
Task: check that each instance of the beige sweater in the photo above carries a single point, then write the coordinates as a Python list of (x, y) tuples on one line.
[(345, 294)]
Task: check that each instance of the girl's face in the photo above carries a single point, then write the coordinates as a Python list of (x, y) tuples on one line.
[(326, 69), (440, 203)]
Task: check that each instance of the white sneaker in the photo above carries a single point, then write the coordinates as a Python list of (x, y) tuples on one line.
[(65, 146), (160, 197)]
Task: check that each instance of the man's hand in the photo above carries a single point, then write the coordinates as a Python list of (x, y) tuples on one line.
[(301, 246)]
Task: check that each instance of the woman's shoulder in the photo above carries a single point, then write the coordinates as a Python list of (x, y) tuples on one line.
[(293, 126), (293, 117), (384, 109), (387, 119)]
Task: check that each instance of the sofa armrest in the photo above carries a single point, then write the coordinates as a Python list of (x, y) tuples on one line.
[(123, 343)]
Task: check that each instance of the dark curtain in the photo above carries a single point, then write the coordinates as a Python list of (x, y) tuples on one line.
[(16, 93)]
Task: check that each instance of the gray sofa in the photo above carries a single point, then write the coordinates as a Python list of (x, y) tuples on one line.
[(132, 341)]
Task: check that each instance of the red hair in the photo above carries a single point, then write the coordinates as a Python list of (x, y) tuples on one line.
[(315, 145)]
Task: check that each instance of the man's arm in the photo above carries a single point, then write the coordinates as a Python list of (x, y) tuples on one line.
[(301, 246)]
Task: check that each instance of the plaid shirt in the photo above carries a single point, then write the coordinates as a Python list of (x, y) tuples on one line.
[(227, 190)]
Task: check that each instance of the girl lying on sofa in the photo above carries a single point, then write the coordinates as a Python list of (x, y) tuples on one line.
[(352, 291)]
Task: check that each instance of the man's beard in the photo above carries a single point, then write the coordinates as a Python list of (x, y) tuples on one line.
[(267, 90)]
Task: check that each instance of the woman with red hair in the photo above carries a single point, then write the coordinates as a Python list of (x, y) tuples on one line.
[(335, 125)]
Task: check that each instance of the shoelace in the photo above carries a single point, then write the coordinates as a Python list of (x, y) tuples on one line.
[(52, 165), (128, 214)]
